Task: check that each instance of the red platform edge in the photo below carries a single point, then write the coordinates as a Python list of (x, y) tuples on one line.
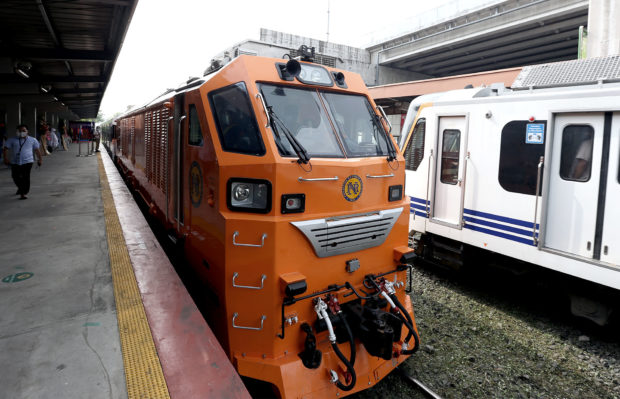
[(193, 362)]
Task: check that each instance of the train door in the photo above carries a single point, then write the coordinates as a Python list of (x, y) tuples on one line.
[(178, 158), (578, 169), (610, 251), (447, 204), (194, 166)]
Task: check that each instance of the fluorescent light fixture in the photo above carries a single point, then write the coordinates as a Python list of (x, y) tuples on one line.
[(21, 73)]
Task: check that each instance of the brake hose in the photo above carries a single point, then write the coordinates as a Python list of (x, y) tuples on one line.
[(409, 323), (347, 362), (321, 310)]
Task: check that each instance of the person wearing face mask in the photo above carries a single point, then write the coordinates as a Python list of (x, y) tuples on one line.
[(22, 148)]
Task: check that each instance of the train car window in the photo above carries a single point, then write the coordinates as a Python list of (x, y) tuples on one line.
[(300, 112), (518, 159), (451, 146), (236, 123), (195, 134), (357, 124), (576, 157), (414, 153)]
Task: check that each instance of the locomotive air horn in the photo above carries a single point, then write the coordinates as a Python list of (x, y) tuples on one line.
[(293, 68)]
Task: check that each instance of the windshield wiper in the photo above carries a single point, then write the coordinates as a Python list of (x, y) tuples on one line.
[(301, 152), (390, 146)]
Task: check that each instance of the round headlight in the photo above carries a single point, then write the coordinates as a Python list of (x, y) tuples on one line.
[(241, 192)]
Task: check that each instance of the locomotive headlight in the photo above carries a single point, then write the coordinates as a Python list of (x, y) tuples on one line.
[(249, 195), (241, 192), (314, 74)]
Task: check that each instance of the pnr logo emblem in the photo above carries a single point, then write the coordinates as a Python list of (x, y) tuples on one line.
[(195, 185), (352, 188)]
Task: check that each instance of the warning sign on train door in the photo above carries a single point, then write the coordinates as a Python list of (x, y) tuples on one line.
[(535, 133)]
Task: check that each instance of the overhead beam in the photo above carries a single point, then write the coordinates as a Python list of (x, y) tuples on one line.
[(14, 78), (96, 90), (52, 31), (122, 3), (59, 54)]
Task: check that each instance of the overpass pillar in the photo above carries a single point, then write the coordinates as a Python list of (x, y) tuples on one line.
[(603, 28)]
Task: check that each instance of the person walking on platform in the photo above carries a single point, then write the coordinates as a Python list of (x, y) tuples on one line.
[(22, 148), (97, 137)]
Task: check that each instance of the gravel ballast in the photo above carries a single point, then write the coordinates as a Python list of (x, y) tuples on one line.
[(510, 341)]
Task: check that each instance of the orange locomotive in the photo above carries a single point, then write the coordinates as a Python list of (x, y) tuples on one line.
[(286, 191)]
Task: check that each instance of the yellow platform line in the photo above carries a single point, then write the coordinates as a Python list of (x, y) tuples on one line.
[(143, 372)]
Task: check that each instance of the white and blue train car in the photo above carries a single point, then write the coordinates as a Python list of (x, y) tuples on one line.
[(531, 172)]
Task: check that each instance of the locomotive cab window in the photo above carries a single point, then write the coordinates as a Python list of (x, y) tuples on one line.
[(195, 134), (357, 124), (576, 158), (518, 159), (309, 116), (414, 153), (451, 145), (299, 113), (236, 124)]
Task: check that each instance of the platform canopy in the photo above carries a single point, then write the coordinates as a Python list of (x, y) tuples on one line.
[(58, 55)]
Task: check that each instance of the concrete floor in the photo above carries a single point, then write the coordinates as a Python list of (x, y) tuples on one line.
[(58, 328)]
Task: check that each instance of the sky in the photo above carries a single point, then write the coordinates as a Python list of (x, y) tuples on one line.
[(170, 40)]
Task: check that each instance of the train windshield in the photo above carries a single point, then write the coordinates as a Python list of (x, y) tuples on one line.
[(300, 113)]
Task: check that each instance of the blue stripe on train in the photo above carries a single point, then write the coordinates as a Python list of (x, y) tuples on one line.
[(417, 208), (500, 234), (419, 200), (504, 219), (527, 233)]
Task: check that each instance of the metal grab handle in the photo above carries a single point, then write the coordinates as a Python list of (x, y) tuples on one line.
[(379, 176), (462, 183), (262, 282), (262, 321), (540, 165), (262, 100), (428, 182), (319, 179), (262, 241)]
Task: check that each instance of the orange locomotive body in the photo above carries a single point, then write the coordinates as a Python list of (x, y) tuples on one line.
[(286, 192)]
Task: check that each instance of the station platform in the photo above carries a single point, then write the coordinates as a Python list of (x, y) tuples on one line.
[(90, 306)]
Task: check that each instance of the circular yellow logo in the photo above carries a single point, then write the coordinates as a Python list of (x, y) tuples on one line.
[(195, 184), (352, 188)]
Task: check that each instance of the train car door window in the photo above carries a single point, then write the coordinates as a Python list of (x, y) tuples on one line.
[(518, 157), (414, 154), (236, 123), (195, 134), (446, 187), (451, 144), (576, 156)]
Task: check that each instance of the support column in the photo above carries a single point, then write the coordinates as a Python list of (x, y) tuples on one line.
[(603, 28), (13, 117)]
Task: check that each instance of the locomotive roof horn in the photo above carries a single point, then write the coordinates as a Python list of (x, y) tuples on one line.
[(290, 70)]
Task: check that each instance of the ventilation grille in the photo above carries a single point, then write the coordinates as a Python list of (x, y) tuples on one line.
[(326, 60), (156, 143), (338, 236), (569, 73)]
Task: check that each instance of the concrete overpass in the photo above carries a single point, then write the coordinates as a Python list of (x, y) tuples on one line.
[(504, 34)]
